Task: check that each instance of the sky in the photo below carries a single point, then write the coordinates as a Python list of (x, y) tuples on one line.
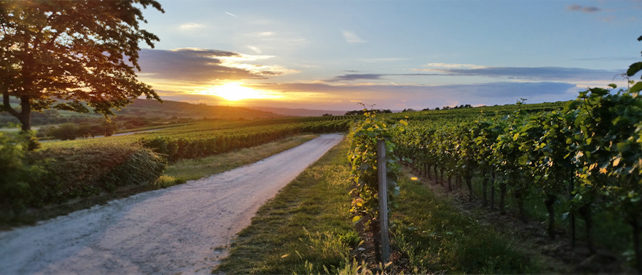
[(333, 55)]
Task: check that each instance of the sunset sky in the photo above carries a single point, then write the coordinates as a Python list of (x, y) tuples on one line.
[(391, 54)]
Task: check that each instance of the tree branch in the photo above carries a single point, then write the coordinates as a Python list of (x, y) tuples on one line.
[(7, 106)]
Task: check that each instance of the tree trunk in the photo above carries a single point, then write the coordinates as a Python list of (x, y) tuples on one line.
[(484, 195), (25, 114), (441, 180), (426, 170), (492, 190), (436, 173), (376, 237), (469, 182), (549, 202), (520, 196), (450, 186), (572, 214), (636, 243), (427, 166), (587, 215), (502, 198), (457, 183)]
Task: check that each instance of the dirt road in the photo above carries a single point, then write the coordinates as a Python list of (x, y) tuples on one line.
[(165, 231)]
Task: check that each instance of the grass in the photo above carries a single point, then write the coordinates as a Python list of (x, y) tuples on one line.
[(191, 169), (610, 230), (435, 236), (306, 228)]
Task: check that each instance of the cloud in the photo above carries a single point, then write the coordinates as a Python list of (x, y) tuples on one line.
[(495, 89), (418, 96), (586, 9), (375, 60), (255, 49), (513, 89), (230, 14), (352, 38), (204, 65), (191, 26), (452, 66), (532, 73), (352, 77)]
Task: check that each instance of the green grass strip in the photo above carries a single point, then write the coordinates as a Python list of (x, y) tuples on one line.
[(305, 229), (437, 237)]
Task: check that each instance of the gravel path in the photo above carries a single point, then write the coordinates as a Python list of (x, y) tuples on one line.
[(165, 231)]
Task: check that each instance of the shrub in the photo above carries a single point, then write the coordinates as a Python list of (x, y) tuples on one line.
[(15, 175), (90, 170), (67, 131)]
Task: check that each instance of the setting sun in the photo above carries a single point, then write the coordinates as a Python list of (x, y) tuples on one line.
[(235, 91)]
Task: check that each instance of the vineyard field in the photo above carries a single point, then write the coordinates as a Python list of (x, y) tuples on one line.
[(580, 163)]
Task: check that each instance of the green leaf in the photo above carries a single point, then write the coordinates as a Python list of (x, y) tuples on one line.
[(636, 88), (634, 68), (612, 85), (356, 219)]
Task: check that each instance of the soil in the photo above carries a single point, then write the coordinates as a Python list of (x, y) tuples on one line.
[(181, 229), (555, 256)]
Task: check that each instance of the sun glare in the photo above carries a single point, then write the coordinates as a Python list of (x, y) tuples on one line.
[(236, 91)]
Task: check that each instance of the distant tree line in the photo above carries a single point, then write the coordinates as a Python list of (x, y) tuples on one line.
[(71, 131), (86, 128), (361, 112), (451, 108)]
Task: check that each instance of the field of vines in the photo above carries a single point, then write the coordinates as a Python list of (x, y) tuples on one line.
[(207, 138), (586, 158)]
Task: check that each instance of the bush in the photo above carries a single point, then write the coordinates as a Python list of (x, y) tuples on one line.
[(67, 131), (15, 175), (91, 170)]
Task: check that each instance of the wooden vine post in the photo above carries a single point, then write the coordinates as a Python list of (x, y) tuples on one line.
[(383, 200)]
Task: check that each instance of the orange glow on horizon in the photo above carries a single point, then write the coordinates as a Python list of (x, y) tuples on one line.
[(234, 91)]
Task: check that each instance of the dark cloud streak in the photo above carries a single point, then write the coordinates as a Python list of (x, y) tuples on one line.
[(586, 9), (352, 77), (536, 73), (193, 65), (516, 73)]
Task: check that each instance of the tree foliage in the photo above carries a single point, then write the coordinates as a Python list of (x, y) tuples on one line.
[(62, 53)]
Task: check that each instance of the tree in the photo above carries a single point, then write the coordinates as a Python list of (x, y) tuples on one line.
[(59, 53)]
